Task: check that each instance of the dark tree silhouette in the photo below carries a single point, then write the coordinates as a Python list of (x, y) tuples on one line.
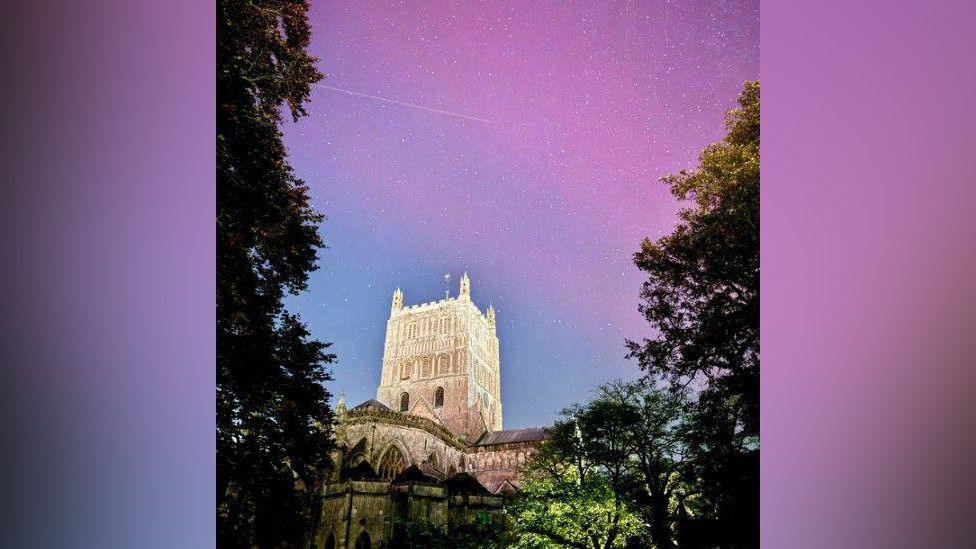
[(702, 299), (702, 293), (273, 419)]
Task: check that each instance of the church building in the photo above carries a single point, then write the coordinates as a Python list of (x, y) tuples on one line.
[(431, 446)]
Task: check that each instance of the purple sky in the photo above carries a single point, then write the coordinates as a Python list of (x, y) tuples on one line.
[(522, 142)]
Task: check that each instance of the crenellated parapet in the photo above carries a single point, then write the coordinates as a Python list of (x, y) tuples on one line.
[(446, 347)]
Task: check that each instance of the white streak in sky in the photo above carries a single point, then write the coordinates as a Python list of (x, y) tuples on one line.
[(405, 104)]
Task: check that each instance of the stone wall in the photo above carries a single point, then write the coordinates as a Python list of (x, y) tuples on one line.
[(498, 467), (353, 507), (370, 435)]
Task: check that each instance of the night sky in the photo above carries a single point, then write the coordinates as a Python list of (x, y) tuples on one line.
[(522, 142)]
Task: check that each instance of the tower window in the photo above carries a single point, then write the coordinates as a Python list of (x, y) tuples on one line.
[(438, 397), (404, 402)]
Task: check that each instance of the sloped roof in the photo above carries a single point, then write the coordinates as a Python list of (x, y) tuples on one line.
[(465, 483), (506, 487), (360, 472), (529, 434), (413, 474), (374, 404)]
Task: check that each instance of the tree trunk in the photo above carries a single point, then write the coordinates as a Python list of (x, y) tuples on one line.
[(660, 520)]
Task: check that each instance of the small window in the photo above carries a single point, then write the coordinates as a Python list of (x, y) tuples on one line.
[(404, 402), (438, 397)]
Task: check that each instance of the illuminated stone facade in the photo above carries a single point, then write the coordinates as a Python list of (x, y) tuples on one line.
[(430, 446), (440, 361)]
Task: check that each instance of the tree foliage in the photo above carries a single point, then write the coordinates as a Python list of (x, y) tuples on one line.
[(273, 419), (702, 299), (702, 291), (609, 473)]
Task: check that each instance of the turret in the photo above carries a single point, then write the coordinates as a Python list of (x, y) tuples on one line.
[(465, 287), (491, 316), (397, 301), (341, 407)]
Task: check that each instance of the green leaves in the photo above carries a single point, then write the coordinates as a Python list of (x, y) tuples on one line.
[(701, 298), (605, 475), (702, 291)]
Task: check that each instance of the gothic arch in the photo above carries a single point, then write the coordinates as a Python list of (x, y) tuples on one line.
[(392, 461), (404, 401), (438, 397), (363, 541), (357, 454)]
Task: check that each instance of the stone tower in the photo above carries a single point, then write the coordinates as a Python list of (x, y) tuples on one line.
[(440, 361)]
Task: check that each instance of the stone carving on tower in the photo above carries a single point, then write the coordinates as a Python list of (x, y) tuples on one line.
[(440, 360), (397, 301), (465, 287)]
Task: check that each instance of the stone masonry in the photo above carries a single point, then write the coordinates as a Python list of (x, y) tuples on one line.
[(430, 446)]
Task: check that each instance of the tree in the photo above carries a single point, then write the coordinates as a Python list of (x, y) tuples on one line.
[(575, 487), (273, 419), (702, 299), (654, 423), (702, 292)]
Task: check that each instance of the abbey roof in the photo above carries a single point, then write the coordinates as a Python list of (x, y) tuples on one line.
[(529, 434), (372, 404)]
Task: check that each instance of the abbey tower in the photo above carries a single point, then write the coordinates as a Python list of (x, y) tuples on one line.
[(440, 361), (430, 446)]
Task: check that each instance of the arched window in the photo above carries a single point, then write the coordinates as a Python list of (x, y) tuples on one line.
[(330, 543), (363, 541), (392, 463), (404, 402), (438, 397)]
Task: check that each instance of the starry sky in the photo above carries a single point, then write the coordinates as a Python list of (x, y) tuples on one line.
[(522, 142)]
